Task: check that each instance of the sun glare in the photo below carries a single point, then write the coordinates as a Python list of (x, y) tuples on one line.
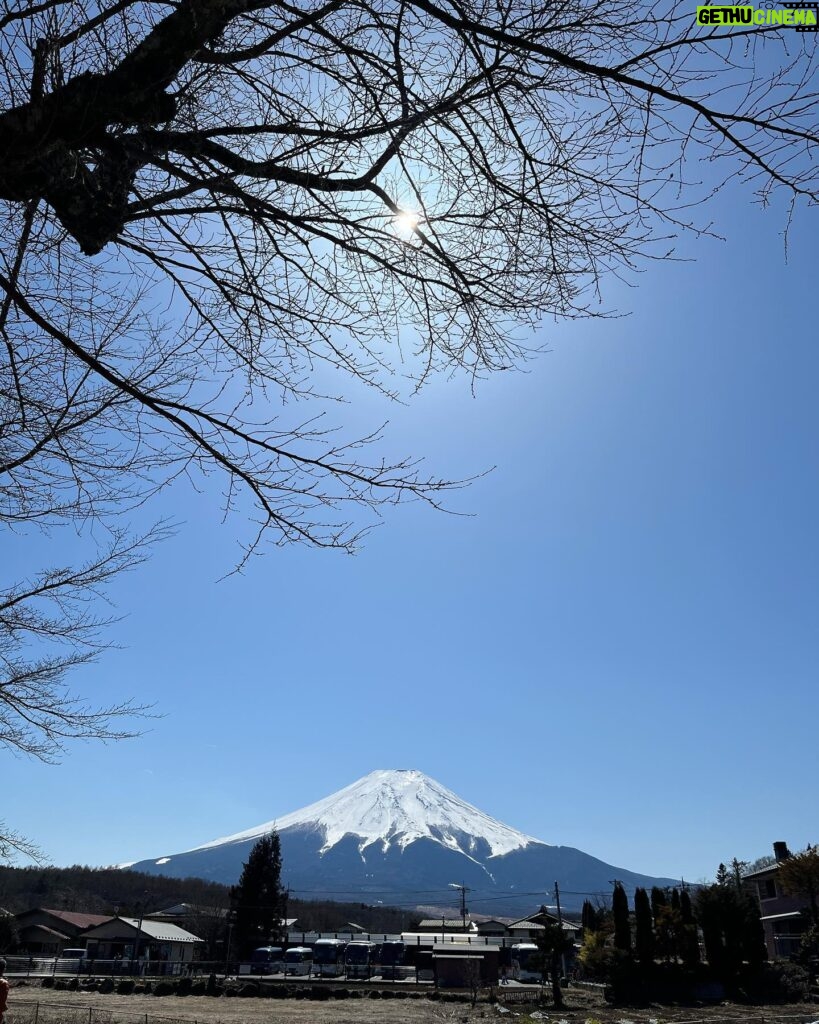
[(406, 223)]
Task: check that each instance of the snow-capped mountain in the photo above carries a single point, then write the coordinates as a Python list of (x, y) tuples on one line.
[(395, 808), (398, 835)]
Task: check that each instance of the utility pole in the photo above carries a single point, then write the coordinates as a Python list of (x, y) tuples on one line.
[(463, 889), (560, 925)]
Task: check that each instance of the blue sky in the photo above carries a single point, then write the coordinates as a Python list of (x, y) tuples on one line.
[(616, 650)]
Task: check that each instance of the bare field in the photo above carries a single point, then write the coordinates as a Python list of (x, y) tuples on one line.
[(29, 1004)]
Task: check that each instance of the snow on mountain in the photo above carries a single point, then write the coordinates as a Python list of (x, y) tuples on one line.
[(395, 807), (399, 835)]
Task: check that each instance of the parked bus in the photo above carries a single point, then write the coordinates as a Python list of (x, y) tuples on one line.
[(526, 962), (360, 958), (392, 956), (328, 957), (298, 960), (266, 960)]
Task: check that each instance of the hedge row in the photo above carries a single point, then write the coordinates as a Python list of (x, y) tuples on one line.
[(189, 986)]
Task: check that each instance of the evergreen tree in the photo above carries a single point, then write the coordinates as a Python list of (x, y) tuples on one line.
[(589, 917), (258, 899), (659, 899), (660, 914), (622, 926), (731, 928), (643, 929), (689, 943)]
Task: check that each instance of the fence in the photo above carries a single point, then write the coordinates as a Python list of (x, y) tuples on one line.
[(35, 1012), (74, 967)]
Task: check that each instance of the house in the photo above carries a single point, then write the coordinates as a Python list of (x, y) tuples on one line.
[(525, 930), (128, 938), (494, 927), (781, 914), (532, 928), (49, 932)]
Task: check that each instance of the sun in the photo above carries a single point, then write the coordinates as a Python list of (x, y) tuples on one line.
[(406, 223)]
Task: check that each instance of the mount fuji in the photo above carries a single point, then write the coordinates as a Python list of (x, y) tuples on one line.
[(402, 837)]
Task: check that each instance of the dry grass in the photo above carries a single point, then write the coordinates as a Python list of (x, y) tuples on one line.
[(33, 1005)]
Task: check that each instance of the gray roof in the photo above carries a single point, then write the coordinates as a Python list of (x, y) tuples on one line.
[(162, 931), (762, 871)]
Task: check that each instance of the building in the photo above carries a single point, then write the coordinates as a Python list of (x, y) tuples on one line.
[(531, 928), (496, 927), (49, 932), (143, 941), (782, 919)]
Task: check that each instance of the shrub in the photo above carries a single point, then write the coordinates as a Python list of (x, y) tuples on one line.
[(341, 993), (200, 988), (184, 985), (249, 991), (106, 986), (164, 988), (779, 982), (374, 994), (47, 983), (126, 987), (319, 992)]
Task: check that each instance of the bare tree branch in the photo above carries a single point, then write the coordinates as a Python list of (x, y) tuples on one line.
[(219, 216)]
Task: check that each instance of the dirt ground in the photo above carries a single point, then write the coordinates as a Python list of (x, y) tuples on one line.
[(29, 1004)]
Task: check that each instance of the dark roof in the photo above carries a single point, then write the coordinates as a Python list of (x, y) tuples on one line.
[(81, 921), (453, 923), (37, 929)]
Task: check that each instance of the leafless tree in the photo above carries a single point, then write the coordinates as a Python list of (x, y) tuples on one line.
[(49, 625), (216, 213)]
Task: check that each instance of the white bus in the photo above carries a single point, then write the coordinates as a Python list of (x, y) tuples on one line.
[(328, 957), (298, 960), (267, 960), (392, 957), (360, 959)]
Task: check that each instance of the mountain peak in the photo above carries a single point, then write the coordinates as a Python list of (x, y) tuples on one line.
[(395, 807)]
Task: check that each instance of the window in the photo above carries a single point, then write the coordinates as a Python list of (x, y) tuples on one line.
[(767, 888)]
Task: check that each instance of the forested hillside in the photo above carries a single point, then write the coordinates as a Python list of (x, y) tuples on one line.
[(110, 890)]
